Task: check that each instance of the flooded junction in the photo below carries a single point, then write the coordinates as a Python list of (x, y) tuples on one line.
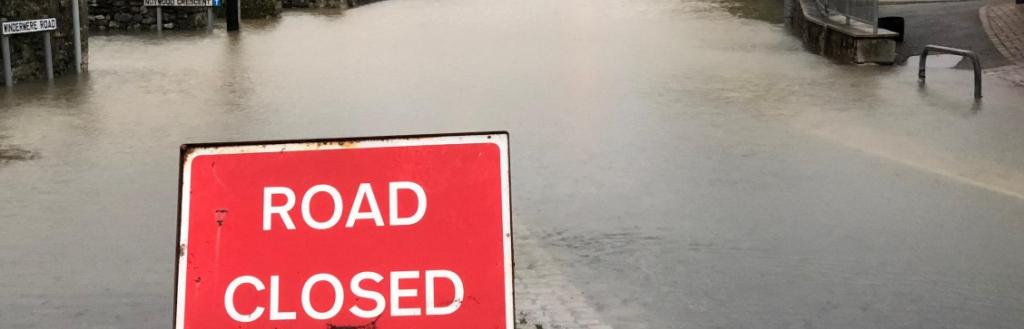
[(678, 164)]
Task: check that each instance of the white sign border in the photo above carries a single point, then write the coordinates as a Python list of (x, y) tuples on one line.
[(191, 152)]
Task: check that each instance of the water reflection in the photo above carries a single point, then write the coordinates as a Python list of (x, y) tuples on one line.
[(764, 10)]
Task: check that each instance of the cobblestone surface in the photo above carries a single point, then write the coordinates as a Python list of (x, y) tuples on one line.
[(1004, 24), (545, 298)]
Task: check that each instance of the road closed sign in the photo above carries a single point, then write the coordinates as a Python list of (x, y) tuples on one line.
[(396, 232)]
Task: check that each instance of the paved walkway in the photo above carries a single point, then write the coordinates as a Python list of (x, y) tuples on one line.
[(1004, 23), (545, 298)]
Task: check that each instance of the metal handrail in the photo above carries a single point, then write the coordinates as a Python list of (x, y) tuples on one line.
[(953, 51), (846, 9), (822, 6)]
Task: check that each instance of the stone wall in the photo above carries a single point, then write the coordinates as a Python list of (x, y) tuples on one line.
[(255, 9), (261, 8), (314, 3), (357, 3), (131, 15), (840, 43), (27, 60)]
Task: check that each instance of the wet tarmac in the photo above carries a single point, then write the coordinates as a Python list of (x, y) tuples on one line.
[(686, 162), (953, 24)]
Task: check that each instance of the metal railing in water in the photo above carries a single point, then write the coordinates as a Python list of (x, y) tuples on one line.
[(865, 11), (947, 50)]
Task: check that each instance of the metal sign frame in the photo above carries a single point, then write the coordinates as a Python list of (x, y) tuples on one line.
[(38, 27), (191, 151)]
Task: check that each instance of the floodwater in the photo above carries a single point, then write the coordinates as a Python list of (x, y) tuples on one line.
[(686, 162)]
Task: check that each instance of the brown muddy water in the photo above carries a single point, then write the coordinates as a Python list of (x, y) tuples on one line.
[(687, 163)]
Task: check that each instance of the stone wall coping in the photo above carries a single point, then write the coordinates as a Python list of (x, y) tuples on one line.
[(837, 23)]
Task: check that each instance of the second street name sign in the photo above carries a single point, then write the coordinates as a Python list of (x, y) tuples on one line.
[(402, 232), (181, 3)]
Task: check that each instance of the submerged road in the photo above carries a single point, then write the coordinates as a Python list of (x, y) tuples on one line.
[(676, 163)]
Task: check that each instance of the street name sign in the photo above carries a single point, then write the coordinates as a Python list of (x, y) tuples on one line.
[(181, 3), (390, 232), (30, 26)]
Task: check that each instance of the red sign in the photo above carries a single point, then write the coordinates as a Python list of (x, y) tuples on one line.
[(402, 232)]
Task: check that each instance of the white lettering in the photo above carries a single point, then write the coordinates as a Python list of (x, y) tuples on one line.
[(432, 309), (282, 211), (229, 299), (365, 192), (421, 205), (307, 216), (377, 298), (429, 307), (397, 293), (339, 296), (275, 301), (365, 198)]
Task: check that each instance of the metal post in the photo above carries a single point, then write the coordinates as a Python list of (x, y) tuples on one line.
[(159, 19), (787, 8), (233, 14), (48, 49), (847, 12), (921, 64), (209, 18), (5, 48), (876, 17), (77, 20), (977, 77)]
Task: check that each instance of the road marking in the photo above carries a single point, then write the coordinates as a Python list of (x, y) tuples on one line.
[(974, 172)]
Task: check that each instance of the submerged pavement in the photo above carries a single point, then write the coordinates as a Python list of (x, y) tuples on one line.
[(677, 164)]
